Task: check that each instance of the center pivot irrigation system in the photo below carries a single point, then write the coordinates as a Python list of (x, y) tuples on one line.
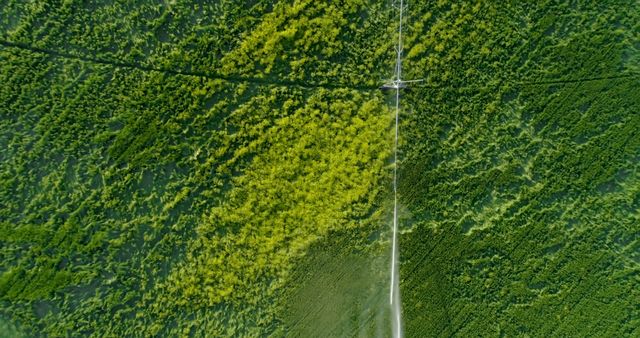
[(396, 84)]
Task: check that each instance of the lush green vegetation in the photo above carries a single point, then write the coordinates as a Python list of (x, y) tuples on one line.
[(523, 184), (178, 168), (165, 166)]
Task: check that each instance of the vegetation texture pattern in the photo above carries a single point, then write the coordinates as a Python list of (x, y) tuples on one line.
[(165, 165), (522, 170), (221, 168)]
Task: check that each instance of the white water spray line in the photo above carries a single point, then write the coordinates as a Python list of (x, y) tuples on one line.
[(398, 83), (395, 291)]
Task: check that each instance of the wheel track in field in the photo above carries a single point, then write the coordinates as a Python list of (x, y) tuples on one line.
[(211, 76)]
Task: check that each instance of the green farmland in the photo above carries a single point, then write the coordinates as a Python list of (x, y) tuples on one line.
[(223, 168)]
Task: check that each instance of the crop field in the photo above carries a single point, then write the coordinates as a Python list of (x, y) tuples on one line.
[(522, 171), (223, 168)]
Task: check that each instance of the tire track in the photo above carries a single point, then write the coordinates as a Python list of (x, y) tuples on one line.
[(529, 83), (211, 76)]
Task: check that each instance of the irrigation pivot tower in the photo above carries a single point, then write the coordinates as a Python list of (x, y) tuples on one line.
[(397, 83)]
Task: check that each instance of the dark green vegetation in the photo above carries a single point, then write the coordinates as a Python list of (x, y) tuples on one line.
[(523, 181), (221, 168)]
